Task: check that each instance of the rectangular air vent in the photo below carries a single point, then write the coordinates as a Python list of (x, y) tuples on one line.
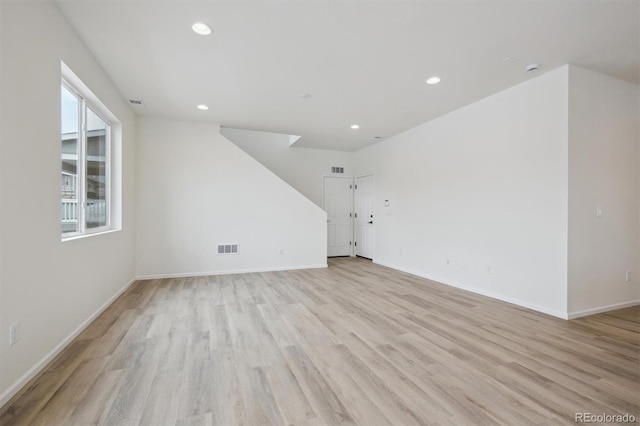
[(227, 249), (337, 169), (136, 102)]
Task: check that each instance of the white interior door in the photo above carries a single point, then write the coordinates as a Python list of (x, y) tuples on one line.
[(364, 195), (338, 202)]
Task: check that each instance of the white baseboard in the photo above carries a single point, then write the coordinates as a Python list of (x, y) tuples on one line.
[(26, 377), (601, 309), (229, 271), (501, 297)]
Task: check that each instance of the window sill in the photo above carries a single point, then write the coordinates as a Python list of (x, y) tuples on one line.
[(92, 234)]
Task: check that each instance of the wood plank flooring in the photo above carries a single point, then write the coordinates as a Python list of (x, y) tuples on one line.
[(352, 344)]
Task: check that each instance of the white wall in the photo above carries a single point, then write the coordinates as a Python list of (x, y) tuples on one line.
[(302, 168), (484, 186), (48, 286), (196, 189), (603, 170)]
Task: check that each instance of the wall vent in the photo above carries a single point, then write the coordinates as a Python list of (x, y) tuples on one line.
[(339, 170), (136, 102), (227, 249)]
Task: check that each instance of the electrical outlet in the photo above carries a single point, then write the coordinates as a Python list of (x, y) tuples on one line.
[(627, 276), (281, 252), (13, 334), (488, 269), (448, 261)]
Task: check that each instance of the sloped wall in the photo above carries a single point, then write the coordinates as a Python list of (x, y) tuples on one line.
[(196, 189), (302, 168)]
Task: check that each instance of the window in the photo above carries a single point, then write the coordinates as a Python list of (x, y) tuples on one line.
[(86, 146)]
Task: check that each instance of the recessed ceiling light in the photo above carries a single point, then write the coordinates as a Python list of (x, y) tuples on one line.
[(200, 28), (355, 126), (305, 95), (433, 80), (203, 107)]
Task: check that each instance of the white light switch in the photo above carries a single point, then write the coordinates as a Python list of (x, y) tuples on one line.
[(598, 210)]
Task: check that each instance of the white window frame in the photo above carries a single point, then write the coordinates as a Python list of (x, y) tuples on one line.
[(87, 100)]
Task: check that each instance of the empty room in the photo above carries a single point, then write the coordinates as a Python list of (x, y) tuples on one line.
[(320, 212)]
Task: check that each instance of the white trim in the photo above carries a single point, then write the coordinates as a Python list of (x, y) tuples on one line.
[(37, 368), (229, 271), (496, 296), (88, 101), (601, 309), (83, 90), (77, 236)]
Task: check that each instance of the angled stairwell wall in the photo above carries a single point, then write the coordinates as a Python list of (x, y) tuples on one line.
[(302, 168), (196, 190)]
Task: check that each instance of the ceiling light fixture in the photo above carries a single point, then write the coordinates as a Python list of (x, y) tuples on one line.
[(532, 67), (433, 80), (355, 126), (203, 107), (200, 28)]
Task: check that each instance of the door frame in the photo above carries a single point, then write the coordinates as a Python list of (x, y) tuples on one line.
[(352, 206), (375, 213)]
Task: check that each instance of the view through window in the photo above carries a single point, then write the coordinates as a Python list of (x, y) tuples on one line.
[(85, 185)]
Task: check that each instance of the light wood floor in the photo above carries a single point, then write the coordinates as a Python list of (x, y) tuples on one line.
[(352, 344)]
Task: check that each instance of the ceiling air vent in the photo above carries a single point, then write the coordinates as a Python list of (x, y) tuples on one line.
[(339, 170), (227, 249), (136, 102)]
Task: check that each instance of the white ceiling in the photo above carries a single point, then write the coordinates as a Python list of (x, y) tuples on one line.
[(363, 62)]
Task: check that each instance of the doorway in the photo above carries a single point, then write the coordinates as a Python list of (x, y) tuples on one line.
[(364, 220), (337, 201)]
